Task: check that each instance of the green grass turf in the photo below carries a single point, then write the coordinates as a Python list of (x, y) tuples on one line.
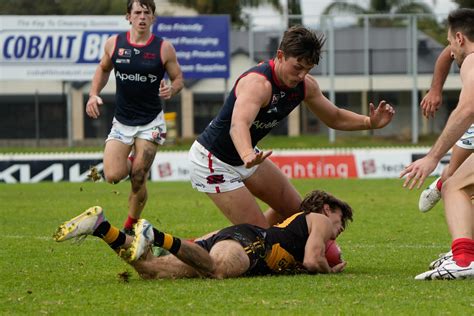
[(269, 142), (389, 242)]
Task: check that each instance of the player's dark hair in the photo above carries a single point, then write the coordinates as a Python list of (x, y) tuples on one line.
[(150, 4), (303, 44), (462, 20), (315, 200)]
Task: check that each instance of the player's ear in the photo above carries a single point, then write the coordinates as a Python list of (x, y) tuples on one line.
[(326, 209), (280, 55), (460, 38)]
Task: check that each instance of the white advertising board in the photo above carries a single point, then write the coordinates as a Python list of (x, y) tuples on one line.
[(54, 47), (174, 166)]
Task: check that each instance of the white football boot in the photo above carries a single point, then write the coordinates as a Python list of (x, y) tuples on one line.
[(143, 240), (449, 270), (429, 197), (80, 226), (441, 259)]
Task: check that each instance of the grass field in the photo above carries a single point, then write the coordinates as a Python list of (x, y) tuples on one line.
[(388, 243), (269, 142)]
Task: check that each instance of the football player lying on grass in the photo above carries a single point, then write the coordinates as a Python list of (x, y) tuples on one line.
[(302, 243)]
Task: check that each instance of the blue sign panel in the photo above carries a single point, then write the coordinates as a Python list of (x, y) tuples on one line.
[(201, 43)]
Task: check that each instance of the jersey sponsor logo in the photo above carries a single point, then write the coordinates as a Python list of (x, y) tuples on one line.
[(125, 52), (272, 110), (215, 179), (275, 99), (136, 77), (265, 125), (293, 96), (122, 61), (136, 51), (149, 56)]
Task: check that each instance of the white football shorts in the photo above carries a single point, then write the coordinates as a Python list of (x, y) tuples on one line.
[(155, 131), (467, 140), (211, 175)]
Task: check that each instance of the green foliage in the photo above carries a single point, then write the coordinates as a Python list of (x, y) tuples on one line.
[(378, 6), (388, 243), (269, 142), (231, 7), (63, 7), (464, 3)]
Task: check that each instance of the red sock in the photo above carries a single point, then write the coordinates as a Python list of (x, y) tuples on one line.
[(439, 184), (129, 222), (463, 251)]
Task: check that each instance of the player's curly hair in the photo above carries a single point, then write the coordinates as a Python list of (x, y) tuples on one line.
[(302, 43), (315, 200), (150, 4)]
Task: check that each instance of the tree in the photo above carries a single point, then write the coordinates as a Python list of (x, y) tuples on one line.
[(379, 6), (294, 8), (231, 7), (429, 24), (63, 7), (464, 3)]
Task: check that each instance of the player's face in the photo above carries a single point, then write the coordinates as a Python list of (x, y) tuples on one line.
[(140, 17), (293, 71), (456, 49), (335, 216)]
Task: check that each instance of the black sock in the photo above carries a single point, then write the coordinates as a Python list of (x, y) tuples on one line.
[(166, 241)]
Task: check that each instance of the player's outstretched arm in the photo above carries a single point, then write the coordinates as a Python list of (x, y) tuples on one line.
[(341, 119)]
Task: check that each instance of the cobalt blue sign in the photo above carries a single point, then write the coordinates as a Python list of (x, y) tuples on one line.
[(201, 43), (54, 47)]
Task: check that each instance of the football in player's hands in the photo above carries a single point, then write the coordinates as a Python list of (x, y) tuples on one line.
[(333, 253)]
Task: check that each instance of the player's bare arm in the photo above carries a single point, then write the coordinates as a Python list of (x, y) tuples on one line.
[(342, 119), (253, 92), (459, 121), (170, 61), (432, 100), (100, 79), (320, 231)]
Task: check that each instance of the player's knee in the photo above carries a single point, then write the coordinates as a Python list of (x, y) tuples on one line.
[(219, 272), (449, 186), (138, 177), (112, 178)]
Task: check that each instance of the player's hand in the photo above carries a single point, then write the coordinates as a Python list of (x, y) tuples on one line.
[(381, 116), (431, 103), (339, 267), (253, 159), (92, 106), (166, 90), (417, 171)]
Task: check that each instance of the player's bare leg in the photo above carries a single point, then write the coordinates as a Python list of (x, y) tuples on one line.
[(270, 185), (145, 152), (116, 161), (239, 206), (457, 192)]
